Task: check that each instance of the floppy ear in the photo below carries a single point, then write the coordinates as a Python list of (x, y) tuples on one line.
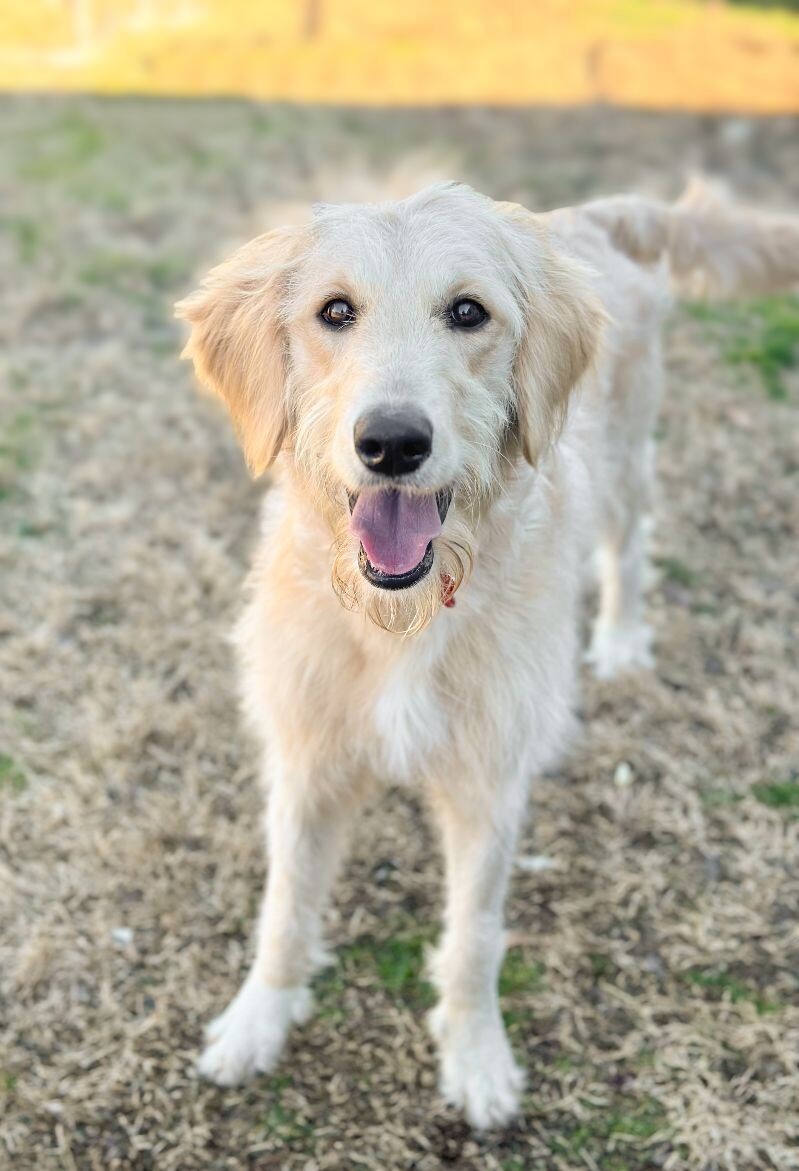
[(563, 320), (237, 341)]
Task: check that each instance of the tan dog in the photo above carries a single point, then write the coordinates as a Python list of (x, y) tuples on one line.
[(407, 368)]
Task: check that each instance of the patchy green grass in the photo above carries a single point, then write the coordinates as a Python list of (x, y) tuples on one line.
[(27, 234), (34, 530), (396, 963), (73, 142), (602, 966), (520, 975), (12, 775), (722, 985), (17, 451), (775, 346), (132, 274), (283, 1123), (519, 979), (713, 796), (777, 794), (18, 379), (762, 334), (399, 963), (612, 1137), (677, 571), (16, 439)]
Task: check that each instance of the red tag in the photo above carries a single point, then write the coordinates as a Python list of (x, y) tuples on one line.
[(447, 589)]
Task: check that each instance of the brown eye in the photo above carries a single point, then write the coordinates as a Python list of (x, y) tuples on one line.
[(338, 313), (467, 313)]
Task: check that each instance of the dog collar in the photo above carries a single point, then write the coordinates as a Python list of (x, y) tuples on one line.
[(447, 589)]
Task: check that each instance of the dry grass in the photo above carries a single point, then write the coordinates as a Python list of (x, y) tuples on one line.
[(652, 985), (672, 54)]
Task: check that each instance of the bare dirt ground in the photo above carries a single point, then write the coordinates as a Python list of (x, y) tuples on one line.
[(652, 983)]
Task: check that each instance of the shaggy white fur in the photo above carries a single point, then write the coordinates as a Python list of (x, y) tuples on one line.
[(541, 420)]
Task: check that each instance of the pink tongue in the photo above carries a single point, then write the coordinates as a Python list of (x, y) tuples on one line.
[(395, 528)]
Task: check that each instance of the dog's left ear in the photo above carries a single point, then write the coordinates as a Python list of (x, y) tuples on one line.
[(563, 320), (238, 343)]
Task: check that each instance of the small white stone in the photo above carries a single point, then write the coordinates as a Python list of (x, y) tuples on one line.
[(623, 776), (122, 935), (535, 863)]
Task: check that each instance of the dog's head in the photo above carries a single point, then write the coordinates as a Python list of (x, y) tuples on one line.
[(402, 355)]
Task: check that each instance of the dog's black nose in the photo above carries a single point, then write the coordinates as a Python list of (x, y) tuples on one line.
[(393, 443)]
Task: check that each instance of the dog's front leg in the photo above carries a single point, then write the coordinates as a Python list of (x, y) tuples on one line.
[(478, 1073), (306, 835)]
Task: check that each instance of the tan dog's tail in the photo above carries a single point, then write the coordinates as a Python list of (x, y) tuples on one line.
[(715, 248)]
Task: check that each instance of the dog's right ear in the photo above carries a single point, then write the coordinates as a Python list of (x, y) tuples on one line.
[(563, 325), (238, 343)]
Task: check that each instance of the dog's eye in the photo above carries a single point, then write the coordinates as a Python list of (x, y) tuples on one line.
[(338, 313), (467, 313)]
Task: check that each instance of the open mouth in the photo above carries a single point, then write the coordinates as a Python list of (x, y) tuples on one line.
[(396, 530)]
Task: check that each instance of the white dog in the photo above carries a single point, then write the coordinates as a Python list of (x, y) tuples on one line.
[(407, 367)]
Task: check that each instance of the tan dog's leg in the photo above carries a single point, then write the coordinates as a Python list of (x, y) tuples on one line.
[(478, 1073), (306, 838), (622, 640)]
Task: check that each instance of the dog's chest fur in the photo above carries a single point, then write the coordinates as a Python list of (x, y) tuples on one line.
[(409, 718)]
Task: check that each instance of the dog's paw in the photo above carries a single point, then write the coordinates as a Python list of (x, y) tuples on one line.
[(249, 1036), (478, 1073), (617, 650)]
